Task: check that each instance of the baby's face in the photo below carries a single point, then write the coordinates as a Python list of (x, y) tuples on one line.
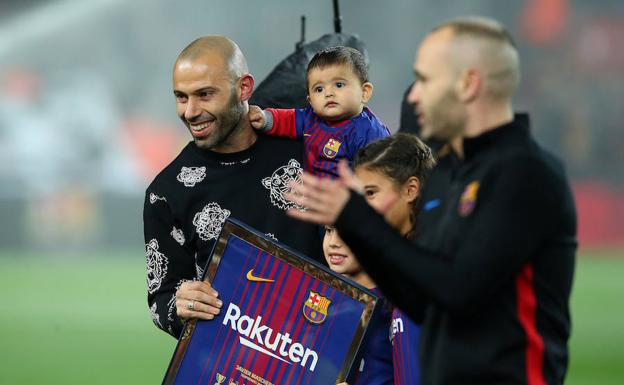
[(336, 93)]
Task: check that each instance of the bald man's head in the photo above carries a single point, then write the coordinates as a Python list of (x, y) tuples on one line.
[(484, 44), (221, 47), (212, 87)]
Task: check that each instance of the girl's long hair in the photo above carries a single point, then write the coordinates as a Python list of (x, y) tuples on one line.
[(399, 157)]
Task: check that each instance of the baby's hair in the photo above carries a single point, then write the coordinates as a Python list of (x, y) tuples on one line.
[(340, 55), (399, 157)]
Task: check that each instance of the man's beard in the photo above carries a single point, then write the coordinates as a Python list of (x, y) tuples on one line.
[(448, 118), (228, 123)]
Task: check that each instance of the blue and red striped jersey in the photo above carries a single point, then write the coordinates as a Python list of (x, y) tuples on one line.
[(265, 334), (326, 143), (405, 338)]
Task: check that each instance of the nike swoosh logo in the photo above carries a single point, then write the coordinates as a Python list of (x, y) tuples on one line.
[(253, 278)]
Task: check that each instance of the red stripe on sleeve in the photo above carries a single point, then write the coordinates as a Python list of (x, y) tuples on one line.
[(526, 307), (284, 123)]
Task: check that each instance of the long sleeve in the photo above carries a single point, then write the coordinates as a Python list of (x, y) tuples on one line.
[(519, 205), (284, 123), (169, 262)]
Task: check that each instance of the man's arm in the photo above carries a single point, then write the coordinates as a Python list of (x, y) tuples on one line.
[(171, 271), (516, 210)]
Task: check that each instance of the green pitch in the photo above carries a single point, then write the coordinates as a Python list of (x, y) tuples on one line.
[(597, 344), (78, 322), (71, 320)]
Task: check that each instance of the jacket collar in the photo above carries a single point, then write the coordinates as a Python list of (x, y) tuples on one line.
[(511, 133)]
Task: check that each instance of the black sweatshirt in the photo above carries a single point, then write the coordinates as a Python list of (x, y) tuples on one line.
[(494, 260), (187, 203)]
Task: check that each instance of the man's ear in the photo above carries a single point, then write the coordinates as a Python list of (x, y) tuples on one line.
[(411, 189), (246, 86), (469, 85), (367, 92)]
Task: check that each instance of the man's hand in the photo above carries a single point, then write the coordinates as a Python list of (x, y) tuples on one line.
[(323, 198), (196, 299), (256, 117)]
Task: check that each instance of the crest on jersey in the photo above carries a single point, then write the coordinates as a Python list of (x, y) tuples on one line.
[(468, 199), (278, 184), (191, 175), (331, 148), (209, 221), (315, 308)]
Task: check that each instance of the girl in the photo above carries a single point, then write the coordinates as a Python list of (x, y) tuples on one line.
[(392, 171), (376, 366)]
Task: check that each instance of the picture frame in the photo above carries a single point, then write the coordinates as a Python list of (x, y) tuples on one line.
[(286, 319)]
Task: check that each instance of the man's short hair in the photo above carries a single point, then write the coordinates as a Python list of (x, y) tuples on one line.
[(227, 49), (479, 27), (503, 75), (337, 56)]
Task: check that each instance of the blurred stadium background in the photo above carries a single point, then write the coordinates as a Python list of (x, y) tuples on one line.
[(87, 119)]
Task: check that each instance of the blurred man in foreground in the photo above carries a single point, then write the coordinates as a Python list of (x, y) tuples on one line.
[(494, 262)]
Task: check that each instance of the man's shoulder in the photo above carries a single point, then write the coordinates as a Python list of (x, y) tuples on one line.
[(517, 148), (183, 159), (532, 165), (276, 147), (531, 155)]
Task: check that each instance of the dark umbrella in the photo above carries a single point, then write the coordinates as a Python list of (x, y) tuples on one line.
[(285, 86)]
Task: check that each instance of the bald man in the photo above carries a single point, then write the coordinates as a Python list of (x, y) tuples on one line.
[(225, 171), (496, 241)]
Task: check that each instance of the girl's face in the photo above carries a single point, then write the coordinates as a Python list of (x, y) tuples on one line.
[(338, 255), (386, 197)]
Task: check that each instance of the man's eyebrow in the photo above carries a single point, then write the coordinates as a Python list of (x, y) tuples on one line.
[(206, 89), (419, 75)]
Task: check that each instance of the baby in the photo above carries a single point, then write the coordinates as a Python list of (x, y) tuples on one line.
[(337, 123)]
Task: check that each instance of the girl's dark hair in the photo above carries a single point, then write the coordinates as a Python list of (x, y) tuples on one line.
[(400, 157)]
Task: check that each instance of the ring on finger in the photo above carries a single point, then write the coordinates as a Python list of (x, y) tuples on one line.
[(190, 305)]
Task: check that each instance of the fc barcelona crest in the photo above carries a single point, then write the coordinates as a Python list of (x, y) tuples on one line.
[(468, 199), (331, 148), (315, 308)]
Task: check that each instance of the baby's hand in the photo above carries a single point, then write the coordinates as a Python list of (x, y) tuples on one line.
[(256, 117)]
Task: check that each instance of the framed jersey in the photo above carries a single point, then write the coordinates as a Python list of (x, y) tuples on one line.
[(286, 319)]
